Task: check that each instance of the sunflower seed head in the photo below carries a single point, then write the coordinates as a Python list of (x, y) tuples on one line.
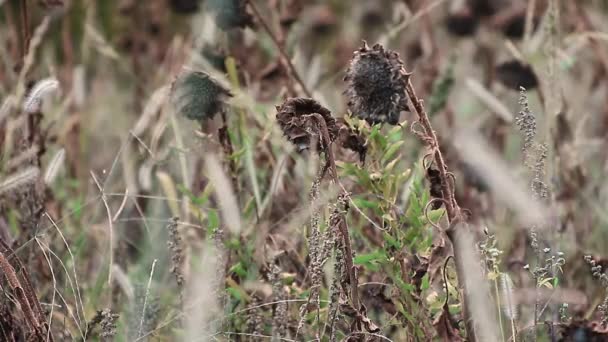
[(376, 81), (299, 126), (198, 96)]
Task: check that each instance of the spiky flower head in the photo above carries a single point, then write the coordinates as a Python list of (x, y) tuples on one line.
[(198, 96), (297, 119), (376, 81), (230, 14)]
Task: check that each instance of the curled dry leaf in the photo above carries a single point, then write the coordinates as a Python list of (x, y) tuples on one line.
[(351, 139), (446, 327)]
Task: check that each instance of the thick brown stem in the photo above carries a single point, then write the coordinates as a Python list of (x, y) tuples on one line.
[(448, 192)]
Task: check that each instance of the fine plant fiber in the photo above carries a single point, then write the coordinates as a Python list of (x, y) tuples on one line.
[(201, 289), (486, 327), (495, 173), (41, 90), (509, 306), (225, 194), (54, 167), (19, 179)]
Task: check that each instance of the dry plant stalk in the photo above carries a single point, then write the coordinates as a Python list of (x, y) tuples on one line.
[(455, 215), (25, 295), (308, 125)]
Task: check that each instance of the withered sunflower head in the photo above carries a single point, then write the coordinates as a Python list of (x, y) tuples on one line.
[(376, 81), (198, 96), (299, 122)]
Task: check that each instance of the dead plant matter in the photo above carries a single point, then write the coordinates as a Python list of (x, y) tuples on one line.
[(198, 96), (296, 119), (376, 85)]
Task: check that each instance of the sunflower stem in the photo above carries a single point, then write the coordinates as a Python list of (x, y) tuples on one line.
[(454, 213)]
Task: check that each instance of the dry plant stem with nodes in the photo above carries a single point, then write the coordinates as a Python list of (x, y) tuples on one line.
[(455, 216)]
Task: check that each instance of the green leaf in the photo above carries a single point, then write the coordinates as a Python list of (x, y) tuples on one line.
[(370, 257), (363, 203), (235, 293), (425, 282), (213, 220), (238, 269), (392, 150), (433, 215)]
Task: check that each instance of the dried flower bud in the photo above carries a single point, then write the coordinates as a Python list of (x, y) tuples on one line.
[(198, 96), (230, 14), (299, 126), (376, 82)]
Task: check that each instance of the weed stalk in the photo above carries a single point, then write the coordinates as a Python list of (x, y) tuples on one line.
[(455, 216)]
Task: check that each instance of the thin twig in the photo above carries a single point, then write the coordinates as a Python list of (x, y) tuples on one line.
[(110, 226), (25, 22), (277, 43), (143, 311)]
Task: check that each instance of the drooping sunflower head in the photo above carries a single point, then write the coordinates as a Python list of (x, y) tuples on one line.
[(299, 124), (376, 81)]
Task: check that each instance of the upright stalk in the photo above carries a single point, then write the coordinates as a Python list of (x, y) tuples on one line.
[(454, 213)]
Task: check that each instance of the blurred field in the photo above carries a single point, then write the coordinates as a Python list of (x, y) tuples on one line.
[(164, 175)]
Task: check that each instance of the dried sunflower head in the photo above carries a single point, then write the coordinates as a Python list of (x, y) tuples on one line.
[(376, 82), (230, 14), (297, 121), (198, 96)]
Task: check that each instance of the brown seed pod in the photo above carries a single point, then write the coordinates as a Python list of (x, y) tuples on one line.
[(376, 81), (296, 116)]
